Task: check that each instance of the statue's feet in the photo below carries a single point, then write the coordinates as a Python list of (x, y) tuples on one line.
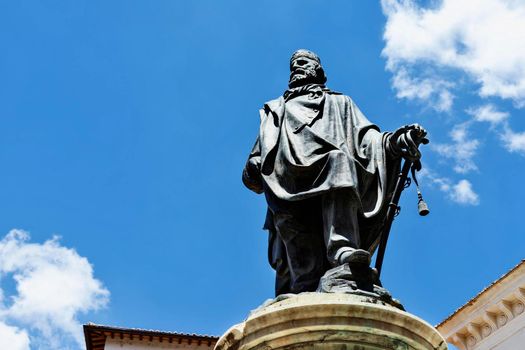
[(356, 279), (355, 257)]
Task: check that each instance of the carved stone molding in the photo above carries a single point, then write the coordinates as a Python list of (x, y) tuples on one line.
[(489, 313)]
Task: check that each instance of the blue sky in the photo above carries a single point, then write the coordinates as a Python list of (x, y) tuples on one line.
[(125, 126)]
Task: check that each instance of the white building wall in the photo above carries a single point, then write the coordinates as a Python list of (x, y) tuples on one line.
[(494, 319), (128, 344)]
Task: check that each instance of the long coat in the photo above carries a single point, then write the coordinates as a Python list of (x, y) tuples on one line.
[(315, 140)]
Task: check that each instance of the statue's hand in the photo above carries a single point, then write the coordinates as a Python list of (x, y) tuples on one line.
[(406, 140)]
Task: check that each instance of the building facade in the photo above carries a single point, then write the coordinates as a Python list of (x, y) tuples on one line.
[(494, 319), (112, 338)]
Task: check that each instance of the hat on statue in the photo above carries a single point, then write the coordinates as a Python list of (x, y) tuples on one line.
[(304, 53)]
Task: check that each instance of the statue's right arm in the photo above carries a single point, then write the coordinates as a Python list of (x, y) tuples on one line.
[(251, 175)]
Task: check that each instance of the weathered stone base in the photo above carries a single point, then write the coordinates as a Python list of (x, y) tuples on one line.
[(331, 321)]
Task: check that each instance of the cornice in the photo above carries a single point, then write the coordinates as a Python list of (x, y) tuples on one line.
[(488, 313)]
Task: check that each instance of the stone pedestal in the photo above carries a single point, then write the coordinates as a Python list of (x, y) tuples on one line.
[(331, 321)]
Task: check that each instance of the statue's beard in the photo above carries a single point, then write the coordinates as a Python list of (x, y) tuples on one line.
[(300, 77)]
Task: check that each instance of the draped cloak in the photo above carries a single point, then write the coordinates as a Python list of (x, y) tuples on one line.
[(319, 141)]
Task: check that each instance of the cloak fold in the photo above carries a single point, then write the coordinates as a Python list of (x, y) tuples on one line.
[(320, 141)]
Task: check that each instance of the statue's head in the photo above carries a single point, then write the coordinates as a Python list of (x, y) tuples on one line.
[(305, 68)]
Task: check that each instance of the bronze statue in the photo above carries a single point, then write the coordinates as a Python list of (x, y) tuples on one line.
[(328, 175)]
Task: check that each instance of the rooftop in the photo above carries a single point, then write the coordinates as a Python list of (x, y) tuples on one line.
[(96, 336)]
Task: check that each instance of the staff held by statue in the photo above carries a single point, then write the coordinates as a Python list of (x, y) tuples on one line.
[(412, 162)]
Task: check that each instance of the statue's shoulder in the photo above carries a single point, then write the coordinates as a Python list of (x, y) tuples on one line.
[(274, 104), (338, 96), (333, 93), (273, 107)]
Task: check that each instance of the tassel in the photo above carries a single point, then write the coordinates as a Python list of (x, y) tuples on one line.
[(422, 206)]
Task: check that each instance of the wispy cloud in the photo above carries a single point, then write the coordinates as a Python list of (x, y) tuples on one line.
[(432, 51), (462, 150), (53, 286), (463, 193), (460, 192), (423, 89), (513, 141), (499, 121), (488, 113), (483, 38)]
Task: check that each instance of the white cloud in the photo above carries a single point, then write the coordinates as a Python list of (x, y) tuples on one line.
[(513, 141), (13, 338), (483, 38), (433, 50), (461, 151), (460, 192), (488, 113), (424, 89), (53, 286)]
